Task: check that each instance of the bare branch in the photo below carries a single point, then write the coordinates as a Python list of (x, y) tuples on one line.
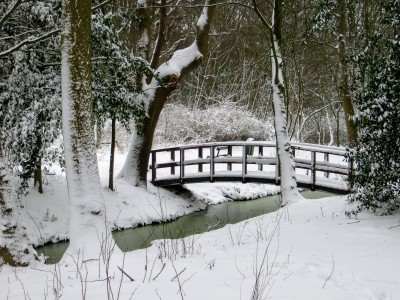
[(30, 40), (10, 12), (154, 62)]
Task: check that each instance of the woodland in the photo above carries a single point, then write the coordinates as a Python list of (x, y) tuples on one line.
[(79, 75)]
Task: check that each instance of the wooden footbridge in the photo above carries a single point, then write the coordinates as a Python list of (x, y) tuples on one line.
[(317, 166)]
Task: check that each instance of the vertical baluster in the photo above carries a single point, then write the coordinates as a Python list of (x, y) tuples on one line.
[(326, 158), (182, 165), (173, 159), (313, 170), (244, 163), (201, 157), (261, 154), (212, 165), (229, 164)]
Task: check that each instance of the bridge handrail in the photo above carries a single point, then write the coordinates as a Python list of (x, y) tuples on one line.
[(301, 146), (303, 163)]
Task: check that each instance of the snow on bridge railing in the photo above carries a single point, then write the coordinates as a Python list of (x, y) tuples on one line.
[(317, 166)]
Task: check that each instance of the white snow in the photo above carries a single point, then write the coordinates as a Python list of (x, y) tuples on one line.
[(203, 20), (179, 60), (311, 249)]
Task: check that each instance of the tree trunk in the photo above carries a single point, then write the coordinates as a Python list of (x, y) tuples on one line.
[(87, 216), (289, 189), (137, 160), (344, 88), (37, 174), (111, 170), (15, 247)]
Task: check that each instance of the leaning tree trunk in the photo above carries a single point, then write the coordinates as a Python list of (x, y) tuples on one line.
[(182, 62), (87, 214), (15, 248)]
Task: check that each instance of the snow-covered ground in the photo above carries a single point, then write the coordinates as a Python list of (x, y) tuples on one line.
[(306, 250)]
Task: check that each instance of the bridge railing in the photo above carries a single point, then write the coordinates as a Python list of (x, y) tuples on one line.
[(254, 161)]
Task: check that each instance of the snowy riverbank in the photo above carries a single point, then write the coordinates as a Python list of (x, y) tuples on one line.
[(307, 250)]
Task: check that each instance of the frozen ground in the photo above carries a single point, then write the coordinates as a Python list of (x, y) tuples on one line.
[(307, 250)]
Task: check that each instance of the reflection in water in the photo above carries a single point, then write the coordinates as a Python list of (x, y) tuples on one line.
[(216, 216)]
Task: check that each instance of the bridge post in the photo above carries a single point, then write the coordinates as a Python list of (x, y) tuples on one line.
[(261, 154), (313, 170), (173, 159), (212, 164), (153, 166), (229, 167), (182, 165), (326, 158), (244, 163), (200, 168)]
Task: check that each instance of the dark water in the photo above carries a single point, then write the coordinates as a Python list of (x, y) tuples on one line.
[(216, 216)]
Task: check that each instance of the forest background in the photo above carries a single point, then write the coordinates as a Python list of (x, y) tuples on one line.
[(229, 80)]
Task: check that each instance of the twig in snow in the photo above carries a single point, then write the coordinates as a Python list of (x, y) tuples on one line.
[(353, 222), (394, 226), (145, 268), (154, 278), (330, 275), (123, 272), (176, 276), (322, 212), (180, 291)]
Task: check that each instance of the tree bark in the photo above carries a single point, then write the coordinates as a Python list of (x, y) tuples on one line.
[(87, 216), (37, 175), (344, 88), (111, 170), (289, 191), (136, 163)]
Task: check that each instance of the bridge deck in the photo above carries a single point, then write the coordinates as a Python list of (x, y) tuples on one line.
[(317, 167)]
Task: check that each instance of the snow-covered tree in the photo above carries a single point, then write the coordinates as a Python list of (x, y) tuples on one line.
[(273, 28), (158, 88), (377, 156), (15, 248), (114, 89), (87, 213), (31, 114), (30, 86)]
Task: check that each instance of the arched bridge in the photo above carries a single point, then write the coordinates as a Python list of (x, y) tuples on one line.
[(317, 166)]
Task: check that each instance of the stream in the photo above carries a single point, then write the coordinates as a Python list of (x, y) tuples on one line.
[(216, 216)]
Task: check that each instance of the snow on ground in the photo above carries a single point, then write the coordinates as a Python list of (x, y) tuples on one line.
[(307, 250)]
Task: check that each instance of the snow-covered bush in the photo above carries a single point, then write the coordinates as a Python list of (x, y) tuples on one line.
[(377, 153), (224, 122)]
